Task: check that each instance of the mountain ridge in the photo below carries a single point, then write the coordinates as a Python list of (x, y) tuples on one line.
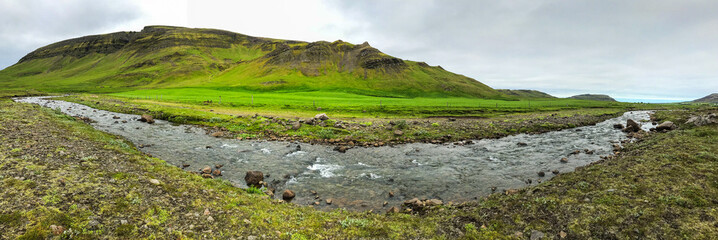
[(171, 57), (710, 98), (595, 97)]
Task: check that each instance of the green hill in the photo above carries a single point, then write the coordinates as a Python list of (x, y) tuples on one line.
[(174, 57), (596, 97), (525, 93)]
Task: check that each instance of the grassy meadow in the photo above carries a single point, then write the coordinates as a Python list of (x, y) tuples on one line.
[(353, 105)]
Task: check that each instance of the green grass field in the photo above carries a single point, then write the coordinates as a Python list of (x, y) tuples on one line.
[(355, 105)]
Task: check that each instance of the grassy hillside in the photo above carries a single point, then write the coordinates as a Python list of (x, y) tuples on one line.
[(595, 97), (525, 94), (174, 57), (712, 98)]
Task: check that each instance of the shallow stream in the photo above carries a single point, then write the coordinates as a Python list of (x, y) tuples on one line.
[(362, 178)]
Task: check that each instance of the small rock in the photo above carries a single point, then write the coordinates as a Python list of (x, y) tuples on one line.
[(57, 229), (329, 201), (398, 133), (147, 118), (155, 181), (522, 144), (296, 126), (555, 172), (536, 235), (391, 194), (288, 195), (185, 165), (385, 203), (564, 160), (251, 238), (618, 126), (667, 125), (393, 210), (123, 221), (217, 134), (313, 192), (205, 175), (210, 219), (562, 234), (433, 202), (252, 178), (341, 149), (247, 221), (217, 172), (414, 202), (206, 170), (512, 191), (218, 166), (93, 223), (321, 116), (206, 211), (541, 174)]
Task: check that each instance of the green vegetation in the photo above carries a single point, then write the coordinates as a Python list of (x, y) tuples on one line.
[(525, 94), (595, 97), (662, 187)]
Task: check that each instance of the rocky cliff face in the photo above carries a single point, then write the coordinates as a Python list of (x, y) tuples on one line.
[(306, 56)]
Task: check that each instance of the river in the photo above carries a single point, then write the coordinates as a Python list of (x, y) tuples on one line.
[(362, 178)]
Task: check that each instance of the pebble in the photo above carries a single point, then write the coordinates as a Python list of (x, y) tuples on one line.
[(210, 219), (536, 235), (155, 181)]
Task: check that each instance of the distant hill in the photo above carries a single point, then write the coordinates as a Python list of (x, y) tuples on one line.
[(713, 98), (596, 97), (525, 93), (171, 57)]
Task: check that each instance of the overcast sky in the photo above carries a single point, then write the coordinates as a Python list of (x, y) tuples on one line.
[(640, 49)]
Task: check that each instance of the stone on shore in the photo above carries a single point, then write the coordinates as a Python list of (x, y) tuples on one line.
[(253, 178)]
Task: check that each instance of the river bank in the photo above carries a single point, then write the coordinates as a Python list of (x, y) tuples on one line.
[(352, 132)]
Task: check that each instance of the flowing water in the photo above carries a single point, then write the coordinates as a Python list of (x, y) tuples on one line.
[(362, 178)]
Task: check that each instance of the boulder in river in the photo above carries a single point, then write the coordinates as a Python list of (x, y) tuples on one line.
[(253, 178), (667, 125), (147, 118), (618, 126), (206, 170), (288, 195), (632, 126)]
